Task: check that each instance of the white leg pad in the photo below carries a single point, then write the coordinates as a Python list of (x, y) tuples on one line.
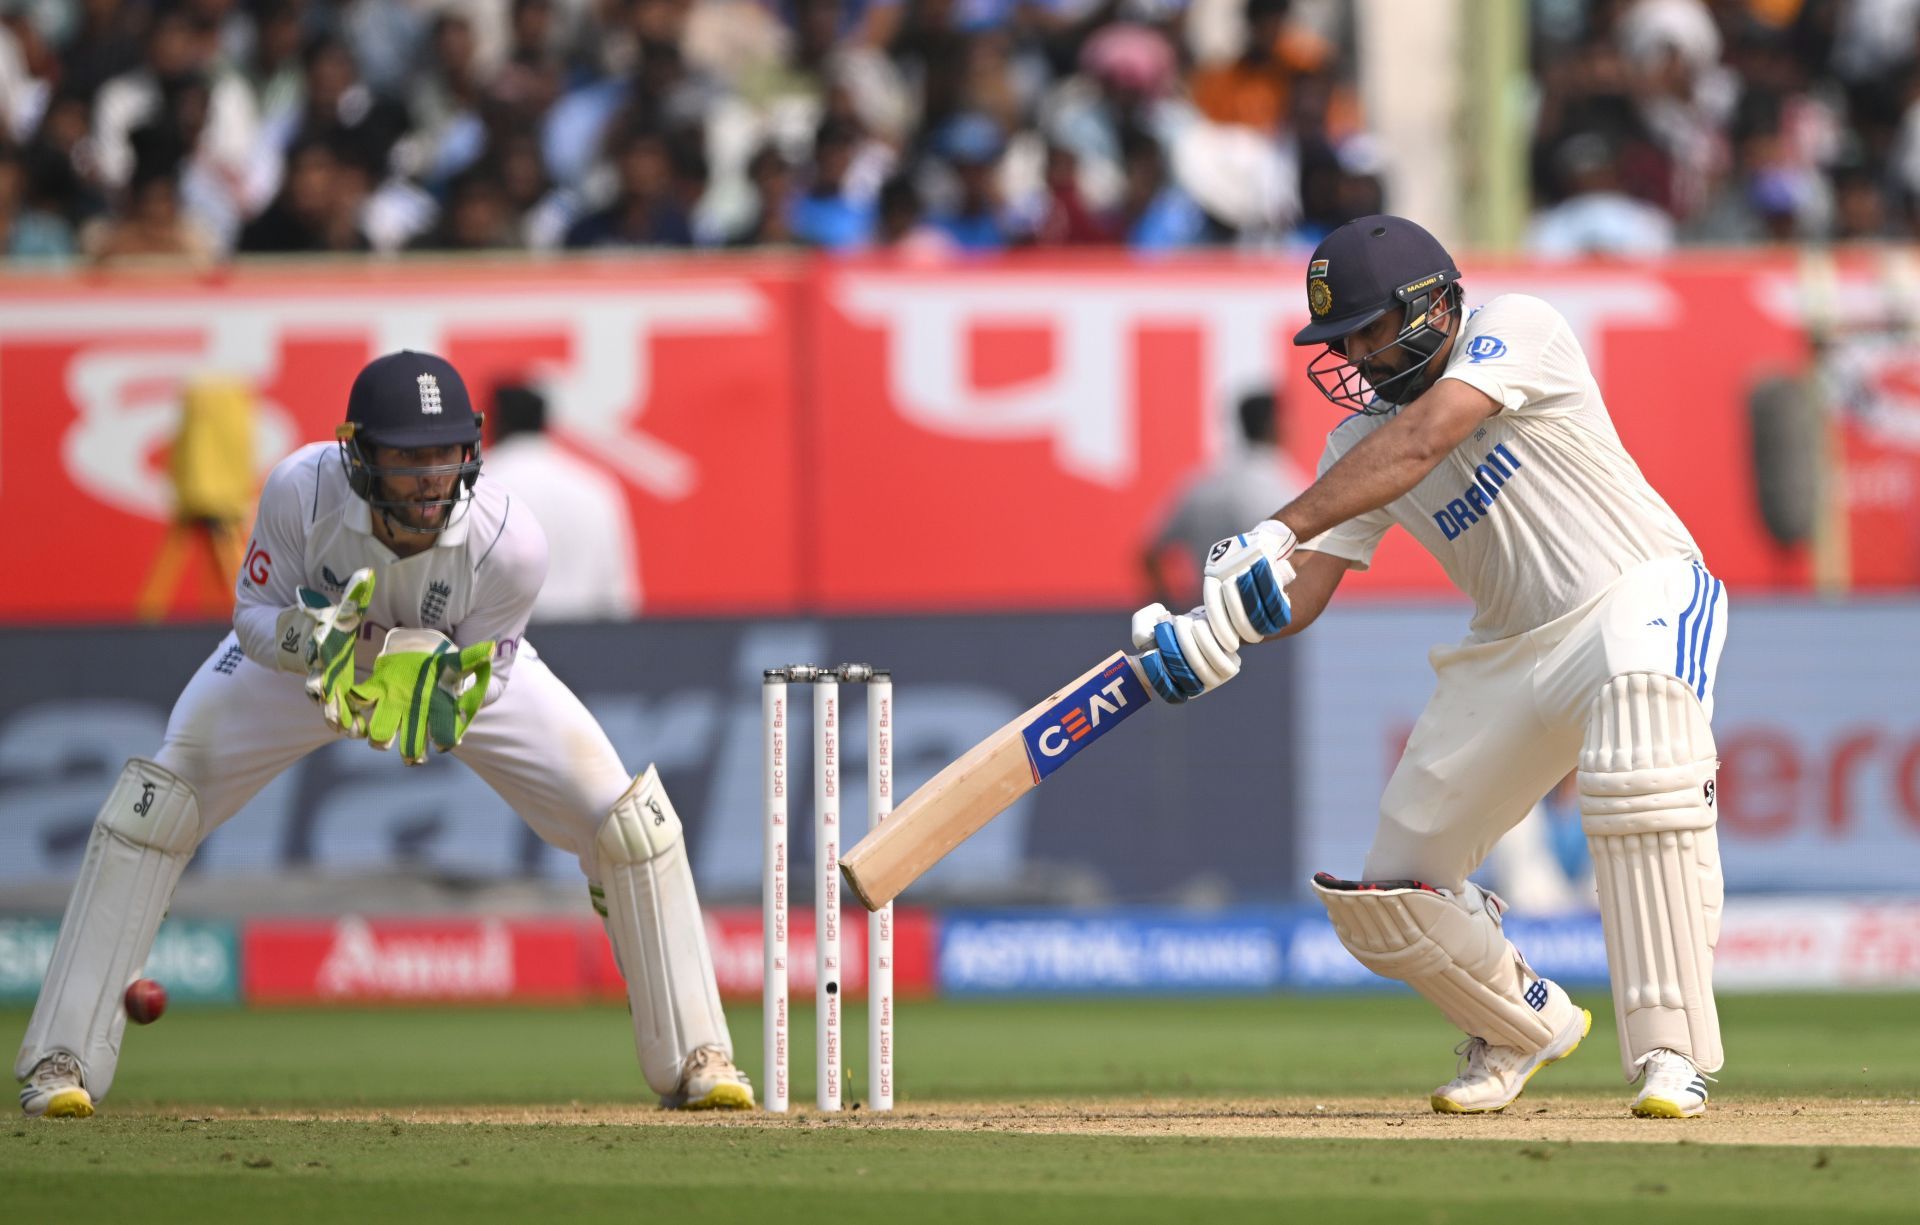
[(1646, 803), (141, 842), (659, 938), (1450, 949)]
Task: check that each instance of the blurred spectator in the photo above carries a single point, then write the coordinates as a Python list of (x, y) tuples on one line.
[(902, 225), (106, 43), (1012, 122), (27, 69), (1066, 218), (447, 134), (1249, 482), (315, 210), (593, 568), (1252, 90), (647, 212), (829, 215), (1594, 217), (971, 145), (771, 222), (180, 85), (151, 223), (1155, 214), (28, 230), (477, 215)]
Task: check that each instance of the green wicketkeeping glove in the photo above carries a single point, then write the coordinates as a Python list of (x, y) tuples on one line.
[(330, 644), (423, 691)]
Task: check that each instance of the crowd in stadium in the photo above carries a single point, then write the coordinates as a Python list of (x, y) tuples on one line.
[(202, 128)]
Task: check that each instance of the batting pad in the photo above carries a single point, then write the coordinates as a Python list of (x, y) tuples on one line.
[(141, 842), (1449, 949), (659, 937), (1646, 804)]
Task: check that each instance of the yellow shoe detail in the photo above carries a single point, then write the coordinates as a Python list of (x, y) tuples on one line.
[(1446, 1105), (70, 1104), (725, 1096)]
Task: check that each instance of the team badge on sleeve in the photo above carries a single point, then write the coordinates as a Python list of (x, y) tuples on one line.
[(1485, 348)]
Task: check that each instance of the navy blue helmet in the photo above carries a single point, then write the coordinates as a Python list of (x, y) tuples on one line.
[(1358, 273), (406, 400)]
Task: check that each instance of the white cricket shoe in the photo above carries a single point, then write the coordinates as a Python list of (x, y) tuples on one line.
[(1491, 1077), (709, 1081), (54, 1089), (1670, 1087)]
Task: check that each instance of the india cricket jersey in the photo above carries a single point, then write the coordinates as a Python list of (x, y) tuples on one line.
[(476, 583), (1541, 508)]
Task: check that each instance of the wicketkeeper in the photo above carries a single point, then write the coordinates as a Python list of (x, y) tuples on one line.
[(384, 596), (1596, 634)]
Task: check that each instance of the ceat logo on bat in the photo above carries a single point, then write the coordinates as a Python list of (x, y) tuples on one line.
[(1083, 716)]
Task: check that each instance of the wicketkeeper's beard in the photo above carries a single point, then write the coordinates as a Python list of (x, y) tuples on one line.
[(419, 515)]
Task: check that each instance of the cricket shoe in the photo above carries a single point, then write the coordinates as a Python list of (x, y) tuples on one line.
[(1491, 1077), (1670, 1087), (709, 1081), (54, 1089)]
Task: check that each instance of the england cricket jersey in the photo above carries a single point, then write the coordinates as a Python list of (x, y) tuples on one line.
[(1541, 508), (476, 583)]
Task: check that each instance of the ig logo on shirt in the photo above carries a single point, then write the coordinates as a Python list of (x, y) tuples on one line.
[(1485, 348)]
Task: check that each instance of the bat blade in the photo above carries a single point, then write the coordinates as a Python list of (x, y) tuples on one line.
[(957, 802)]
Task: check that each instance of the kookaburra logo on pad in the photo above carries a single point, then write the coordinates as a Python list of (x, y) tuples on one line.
[(429, 393)]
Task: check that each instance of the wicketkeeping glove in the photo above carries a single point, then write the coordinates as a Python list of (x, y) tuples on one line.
[(423, 691), (1245, 588), (333, 632), (1187, 657)]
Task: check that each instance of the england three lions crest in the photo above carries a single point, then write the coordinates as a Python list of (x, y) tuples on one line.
[(434, 605)]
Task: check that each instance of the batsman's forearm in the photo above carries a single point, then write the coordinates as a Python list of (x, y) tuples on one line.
[(1382, 467)]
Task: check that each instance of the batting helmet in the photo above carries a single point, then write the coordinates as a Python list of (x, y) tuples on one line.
[(1358, 273)]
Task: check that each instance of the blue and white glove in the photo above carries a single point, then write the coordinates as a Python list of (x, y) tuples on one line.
[(1245, 588), (1181, 655)]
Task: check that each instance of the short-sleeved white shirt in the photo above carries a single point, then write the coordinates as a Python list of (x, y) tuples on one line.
[(477, 583), (1541, 508)]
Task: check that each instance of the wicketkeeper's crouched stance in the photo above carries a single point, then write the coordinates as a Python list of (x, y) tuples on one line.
[(418, 645), (1595, 641)]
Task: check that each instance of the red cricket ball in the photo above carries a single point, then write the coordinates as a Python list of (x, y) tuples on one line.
[(145, 1001)]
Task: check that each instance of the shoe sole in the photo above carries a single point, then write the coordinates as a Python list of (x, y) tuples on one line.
[(723, 1097), (1446, 1105), (1661, 1108)]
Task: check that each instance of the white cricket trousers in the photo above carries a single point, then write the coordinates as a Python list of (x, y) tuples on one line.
[(1507, 718)]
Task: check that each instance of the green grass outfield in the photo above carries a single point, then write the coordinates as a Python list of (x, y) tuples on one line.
[(190, 1132)]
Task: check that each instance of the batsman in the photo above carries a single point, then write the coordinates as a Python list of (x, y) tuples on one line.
[(1596, 634), (384, 597)]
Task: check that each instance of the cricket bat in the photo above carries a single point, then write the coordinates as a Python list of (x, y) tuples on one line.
[(962, 798)]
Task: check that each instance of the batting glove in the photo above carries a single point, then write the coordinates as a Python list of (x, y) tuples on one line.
[(423, 691), (1182, 656), (1245, 588)]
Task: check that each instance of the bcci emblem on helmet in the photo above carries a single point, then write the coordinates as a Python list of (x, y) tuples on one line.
[(1319, 293)]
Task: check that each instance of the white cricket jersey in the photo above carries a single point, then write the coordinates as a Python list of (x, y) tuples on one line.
[(1541, 508), (476, 583)]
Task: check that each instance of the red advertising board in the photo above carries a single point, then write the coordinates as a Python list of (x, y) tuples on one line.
[(800, 435), (677, 379), (357, 959), (360, 960)]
